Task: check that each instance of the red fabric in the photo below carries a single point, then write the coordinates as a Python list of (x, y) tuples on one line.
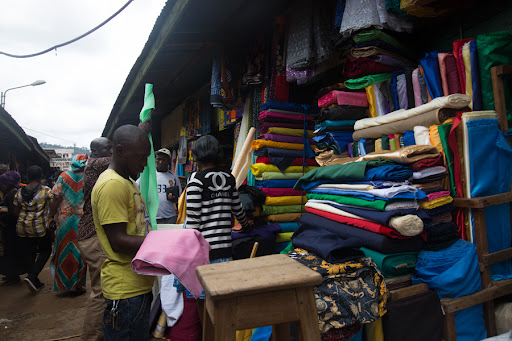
[(188, 327), (452, 141), (452, 75), (366, 225), (297, 162), (281, 192), (457, 46), (282, 89), (345, 333), (360, 67), (427, 163)]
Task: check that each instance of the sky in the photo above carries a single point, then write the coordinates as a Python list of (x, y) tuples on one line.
[(83, 79)]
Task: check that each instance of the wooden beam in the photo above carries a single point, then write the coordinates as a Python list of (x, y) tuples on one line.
[(482, 202), (496, 257), (398, 294)]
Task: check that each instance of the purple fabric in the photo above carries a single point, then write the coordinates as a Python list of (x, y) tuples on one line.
[(270, 114), (452, 75), (10, 178), (263, 126), (284, 138), (417, 88), (266, 231), (387, 60), (401, 86)]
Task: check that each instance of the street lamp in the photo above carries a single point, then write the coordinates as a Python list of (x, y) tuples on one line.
[(2, 95)]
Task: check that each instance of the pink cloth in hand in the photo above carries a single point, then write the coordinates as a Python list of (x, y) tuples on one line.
[(437, 195), (178, 252)]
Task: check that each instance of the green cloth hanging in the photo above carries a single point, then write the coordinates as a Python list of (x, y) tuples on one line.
[(363, 82), (444, 132), (494, 49), (148, 186)]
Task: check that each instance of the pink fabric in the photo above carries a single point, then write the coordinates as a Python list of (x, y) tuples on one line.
[(416, 87), (280, 192), (327, 99), (442, 70), (437, 195), (457, 53), (270, 114), (177, 252), (358, 99)]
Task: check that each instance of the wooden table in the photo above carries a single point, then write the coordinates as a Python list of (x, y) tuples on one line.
[(249, 293)]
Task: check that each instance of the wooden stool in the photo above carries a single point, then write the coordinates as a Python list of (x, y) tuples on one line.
[(249, 293)]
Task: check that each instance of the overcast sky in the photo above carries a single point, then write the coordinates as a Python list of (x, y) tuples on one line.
[(82, 79)]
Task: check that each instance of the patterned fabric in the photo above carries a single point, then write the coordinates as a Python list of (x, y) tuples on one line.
[(67, 266), (34, 207), (344, 333), (78, 162)]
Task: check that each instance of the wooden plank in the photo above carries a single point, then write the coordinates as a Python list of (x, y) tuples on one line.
[(281, 332), (265, 309), (251, 276), (482, 202), (307, 327), (498, 88), (398, 294), (490, 318), (498, 289), (496, 257), (225, 320), (482, 247), (449, 332)]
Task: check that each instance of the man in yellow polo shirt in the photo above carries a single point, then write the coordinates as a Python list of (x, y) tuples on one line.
[(121, 222)]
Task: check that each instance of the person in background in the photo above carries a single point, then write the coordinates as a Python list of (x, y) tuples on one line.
[(122, 222), (32, 206), (3, 168), (165, 180), (11, 264), (67, 266), (88, 242)]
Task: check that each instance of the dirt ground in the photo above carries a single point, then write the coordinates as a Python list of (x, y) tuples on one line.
[(40, 317)]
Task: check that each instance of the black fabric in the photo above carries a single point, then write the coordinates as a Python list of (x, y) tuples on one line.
[(257, 195), (242, 247), (27, 194), (441, 233), (415, 318), (343, 112), (329, 246), (368, 239), (281, 158), (439, 210), (247, 203), (410, 89), (369, 146)]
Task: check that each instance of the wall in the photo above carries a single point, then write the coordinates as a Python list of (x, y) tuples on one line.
[(171, 126)]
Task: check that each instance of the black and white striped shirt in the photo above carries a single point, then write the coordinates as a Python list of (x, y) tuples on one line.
[(211, 199)]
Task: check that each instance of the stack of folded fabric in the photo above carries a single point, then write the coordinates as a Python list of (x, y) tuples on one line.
[(284, 155)]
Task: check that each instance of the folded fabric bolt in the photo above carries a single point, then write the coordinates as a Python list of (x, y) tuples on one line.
[(431, 178), (395, 264), (439, 210), (278, 209), (442, 218), (289, 227), (276, 183), (260, 168), (403, 155), (176, 252), (294, 107), (257, 144), (428, 205), (371, 35), (421, 135), (402, 205), (421, 174), (279, 192), (426, 163), (296, 162), (278, 152), (344, 98), (279, 176), (268, 232), (290, 132), (342, 112), (436, 195), (363, 82), (285, 138), (286, 200), (365, 195), (361, 67), (408, 225), (329, 124), (353, 187), (284, 237), (283, 217), (329, 158), (264, 127), (376, 204), (325, 206), (455, 101), (270, 114), (389, 192), (371, 51)]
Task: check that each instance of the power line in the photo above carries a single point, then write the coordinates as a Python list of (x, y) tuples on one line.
[(70, 41), (55, 137)]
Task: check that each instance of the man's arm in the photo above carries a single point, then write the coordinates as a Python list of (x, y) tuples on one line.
[(120, 241)]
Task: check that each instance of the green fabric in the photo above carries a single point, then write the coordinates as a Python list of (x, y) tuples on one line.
[(355, 170), (363, 82), (385, 142), (376, 204), (356, 149), (494, 49), (392, 144), (148, 186), (444, 132), (251, 180), (284, 237), (379, 35), (395, 264), (278, 209), (287, 249), (278, 176)]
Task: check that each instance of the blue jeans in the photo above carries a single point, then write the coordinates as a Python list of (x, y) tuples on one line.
[(130, 321)]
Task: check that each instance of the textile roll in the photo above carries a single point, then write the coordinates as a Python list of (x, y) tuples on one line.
[(286, 200), (343, 98), (395, 264), (365, 81), (372, 35), (457, 53), (361, 67), (372, 51), (408, 225), (279, 176), (370, 94), (284, 138), (290, 132), (342, 112), (421, 135), (376, 204), (279, 192), (416, 88), (466, 57), (269, 115), (263, 127), (455, 101), (244, 159), (404, 155), (430, 65), (278, 209), (442, 70), (260, 168), (427, 119), (475, 77), (329, 158), (257, 144), (283, 217)]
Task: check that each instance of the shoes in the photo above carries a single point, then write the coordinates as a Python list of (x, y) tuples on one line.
[(33, 285)]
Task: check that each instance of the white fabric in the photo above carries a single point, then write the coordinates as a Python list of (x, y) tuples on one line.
[(408, 225), (244, 130), (346, 187), (243, 162), (172, 301), (402, 205), (455, 101), (335, 203), (334, 210), (422, 135), (428, 172), (378, 192)]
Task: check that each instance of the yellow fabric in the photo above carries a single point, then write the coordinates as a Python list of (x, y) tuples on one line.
[(288, 200), (378, 145), (428, 205), (370, 94), (279, 176), (118, 200), (421, 11), (435, 140), (257, 144), (244, 335), (182, 207), (374, 331), (284, 237), (283, 217), (259, 168), (290, 131), (33, 219), (466, 56)]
